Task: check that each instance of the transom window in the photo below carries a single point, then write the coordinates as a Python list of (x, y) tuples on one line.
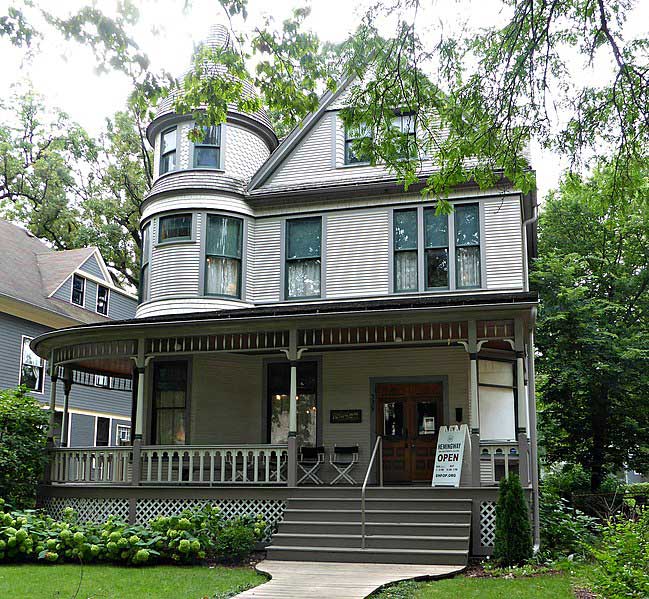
[(78, 290), (32, 368), (144, 270), (354, 135), (207, 152), (223, 247), (434, 251), (168, 150), (303, 257), (175, 227), (102, 300)]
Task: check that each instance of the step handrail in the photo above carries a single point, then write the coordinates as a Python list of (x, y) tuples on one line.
[(377, 445)]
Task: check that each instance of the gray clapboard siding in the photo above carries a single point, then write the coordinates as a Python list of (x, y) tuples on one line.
[(358, 253), (121, 307), (64, 292), (503, 243), (214, 201), (90, 297), (267, 260), (82, 430), (91, 266), (175, 267)]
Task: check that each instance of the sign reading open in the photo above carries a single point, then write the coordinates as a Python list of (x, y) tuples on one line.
[(449, 456)]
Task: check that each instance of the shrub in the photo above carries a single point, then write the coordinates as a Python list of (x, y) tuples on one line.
[(513, 543), (622, 559), (190, 537), (22, 443)]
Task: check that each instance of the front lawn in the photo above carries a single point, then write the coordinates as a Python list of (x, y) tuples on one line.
[(114, 582)]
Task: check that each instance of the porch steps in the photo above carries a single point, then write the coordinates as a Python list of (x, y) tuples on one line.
[(404, 525)]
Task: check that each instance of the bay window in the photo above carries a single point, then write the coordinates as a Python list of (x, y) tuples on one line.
[(168, 150), (467, 246), (207, 152), (303, 257), (223, 249), (405, 250)]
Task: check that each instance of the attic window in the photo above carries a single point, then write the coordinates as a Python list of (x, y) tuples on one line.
[(78, 290), (404, 123), (207, 152), (102, 300), (354, 135)]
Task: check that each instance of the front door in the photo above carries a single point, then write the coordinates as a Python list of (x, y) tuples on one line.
[(408, 416)]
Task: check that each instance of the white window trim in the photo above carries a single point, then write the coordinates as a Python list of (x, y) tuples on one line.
[(126, 427), (83, 278), (110, 431), (20, 366), (107, 299)]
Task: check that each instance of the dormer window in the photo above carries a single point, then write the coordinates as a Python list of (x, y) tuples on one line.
[(102, 300), (78, 290), (168, 150), (404, 123), (207, 152), (354, 135)]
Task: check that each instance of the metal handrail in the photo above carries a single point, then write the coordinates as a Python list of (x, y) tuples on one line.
[(377, 445)]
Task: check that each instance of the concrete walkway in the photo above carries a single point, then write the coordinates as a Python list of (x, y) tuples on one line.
[(333, 580)]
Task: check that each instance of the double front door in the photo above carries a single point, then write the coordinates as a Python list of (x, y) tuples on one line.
[(408, 417)]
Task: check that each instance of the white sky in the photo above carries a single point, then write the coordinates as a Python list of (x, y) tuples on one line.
[(64, 73)]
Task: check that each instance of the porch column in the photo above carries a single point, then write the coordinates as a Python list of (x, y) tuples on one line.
[(53, 378), (474, 416), (519, 346), (534, 460), (140, 370), (292, 413), (67, 387)]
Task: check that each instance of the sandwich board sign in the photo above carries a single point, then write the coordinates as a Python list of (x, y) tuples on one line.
[(450, 455)]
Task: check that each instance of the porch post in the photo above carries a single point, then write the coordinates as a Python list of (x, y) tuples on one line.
[(292, 414), (67, 387), (474, 419), (534, 460), (140, 369), (519, 346), (53, 379)]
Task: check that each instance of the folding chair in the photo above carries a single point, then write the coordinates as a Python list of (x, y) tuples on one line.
[(343, 460), (309, 459)]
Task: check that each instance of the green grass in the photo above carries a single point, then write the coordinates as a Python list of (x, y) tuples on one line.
[(112, 582)]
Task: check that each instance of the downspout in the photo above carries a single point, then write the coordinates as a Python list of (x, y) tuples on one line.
[(534, 457), (524, 225)]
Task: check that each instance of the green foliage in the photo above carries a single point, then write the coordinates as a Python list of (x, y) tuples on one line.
[(22, 443), (638, 489), (593, 326), (513, 543), (191, 537), (622, 560)]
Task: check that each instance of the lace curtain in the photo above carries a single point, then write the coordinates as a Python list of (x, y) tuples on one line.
[(303, 278)]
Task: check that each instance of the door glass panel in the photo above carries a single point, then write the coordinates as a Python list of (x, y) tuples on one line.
[(426, 418), (169, 403), (393, 419)]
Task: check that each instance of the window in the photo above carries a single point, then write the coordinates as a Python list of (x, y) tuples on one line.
[(169, 403), (354, 135), (436, 249), (223, 256), (102, 434), (102, 300), (433, 252), (78, 290), (405, 124), (101, 380), (303, 240), (279, 386), (405, 251), (32, 368), (467, 246), (497, 400), (144, 268), (168, 150), (123, 434), (175, 227), (207, 153)]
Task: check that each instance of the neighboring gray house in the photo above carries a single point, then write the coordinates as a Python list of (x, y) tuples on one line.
[(294, 296), (42, 290)]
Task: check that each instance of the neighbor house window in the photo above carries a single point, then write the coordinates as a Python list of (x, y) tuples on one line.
[(169, 414), (123, 433), (467, 246), (32, 368), (436, 249), (497, 400), (303, 257), (78, 290), (405, 250), (101, 380), (207, 152), (405, 124), (175, 227), (102, 435), (144, 268), (354, 135), (223, 247), (102, 300), (168, 150)]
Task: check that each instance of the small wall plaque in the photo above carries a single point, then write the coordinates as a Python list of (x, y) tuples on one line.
[(345, 416)]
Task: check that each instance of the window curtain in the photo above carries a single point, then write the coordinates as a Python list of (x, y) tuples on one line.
[(467, 266), (223, 256), (303, 278), (222, 276), (405, 271)]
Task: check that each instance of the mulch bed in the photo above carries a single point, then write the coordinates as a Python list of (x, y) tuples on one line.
[(584, 594)]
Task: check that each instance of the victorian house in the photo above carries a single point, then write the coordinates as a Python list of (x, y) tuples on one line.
[(305, 328)]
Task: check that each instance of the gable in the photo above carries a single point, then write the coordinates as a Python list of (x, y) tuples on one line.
[(92, 267)]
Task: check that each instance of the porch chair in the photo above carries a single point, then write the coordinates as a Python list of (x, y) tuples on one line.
[(343, 459), (309, 460)]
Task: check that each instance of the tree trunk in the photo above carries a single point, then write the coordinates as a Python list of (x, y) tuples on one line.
[(600, 424)]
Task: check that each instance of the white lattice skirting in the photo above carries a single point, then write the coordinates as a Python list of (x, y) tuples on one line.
[(487, 523), (98, 509)]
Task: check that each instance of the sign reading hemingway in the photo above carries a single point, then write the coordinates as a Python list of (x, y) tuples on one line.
[(449, 457)]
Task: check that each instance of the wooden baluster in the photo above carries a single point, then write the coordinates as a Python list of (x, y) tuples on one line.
[(267, 466), (191, 466), (255, 476), (201, 466)]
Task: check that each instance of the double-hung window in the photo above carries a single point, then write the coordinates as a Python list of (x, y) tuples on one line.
[(497, 380), (303, 257), (223, 247), (207, 152), (406, 259), (404, 123), (102, 300), (175, 227), (78, 290), (168, 150), (32, 368), (436, 251), (354, 136), (144, 269)]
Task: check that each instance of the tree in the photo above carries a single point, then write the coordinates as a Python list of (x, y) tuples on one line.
[(513, 542), (23, 435), (593, 326)]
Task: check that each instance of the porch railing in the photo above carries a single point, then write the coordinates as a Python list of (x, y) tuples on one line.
[(497, 460), (91, 465)]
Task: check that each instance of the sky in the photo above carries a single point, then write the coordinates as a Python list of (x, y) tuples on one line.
[(65, 73)]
